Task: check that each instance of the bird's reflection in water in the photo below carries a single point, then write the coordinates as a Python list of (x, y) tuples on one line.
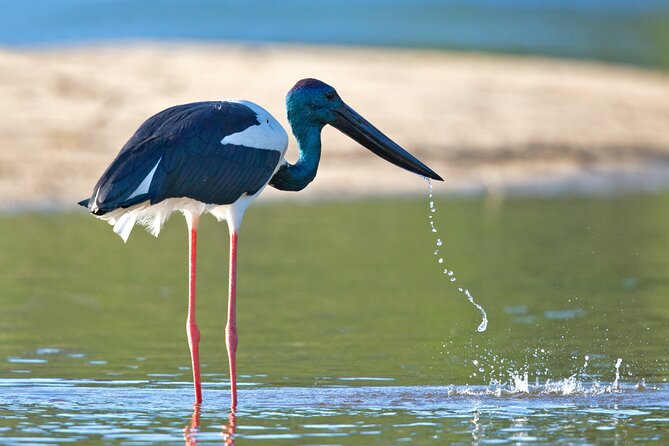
[(228, 432), (192, 428)]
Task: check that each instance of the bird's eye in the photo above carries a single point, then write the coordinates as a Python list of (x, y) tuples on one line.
[(330, 95)]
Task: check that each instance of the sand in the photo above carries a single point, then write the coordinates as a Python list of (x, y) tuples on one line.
[(487, 124)]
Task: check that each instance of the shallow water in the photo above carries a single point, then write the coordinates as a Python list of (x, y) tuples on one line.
[(347, 335), (137, 412)]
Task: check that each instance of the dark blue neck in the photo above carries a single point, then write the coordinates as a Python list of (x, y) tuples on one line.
[(294, 177)]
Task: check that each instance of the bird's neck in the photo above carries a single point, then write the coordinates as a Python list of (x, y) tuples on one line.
[(294, 177)]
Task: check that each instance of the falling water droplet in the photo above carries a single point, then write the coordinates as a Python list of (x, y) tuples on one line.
[(583, 373), (484, 323), (616, 383), (484, 317)]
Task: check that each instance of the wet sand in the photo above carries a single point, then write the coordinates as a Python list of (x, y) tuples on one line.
[(487, 124)]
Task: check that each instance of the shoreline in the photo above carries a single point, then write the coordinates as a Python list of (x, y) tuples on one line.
[(489, 124), (602, 183)]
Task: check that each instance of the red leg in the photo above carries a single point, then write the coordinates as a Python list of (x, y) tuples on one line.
[(231, 327), (192, 330)]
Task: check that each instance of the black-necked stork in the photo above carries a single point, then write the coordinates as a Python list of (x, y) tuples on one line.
[(216, 157)]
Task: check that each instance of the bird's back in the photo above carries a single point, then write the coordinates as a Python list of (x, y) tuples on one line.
[(210, 152)]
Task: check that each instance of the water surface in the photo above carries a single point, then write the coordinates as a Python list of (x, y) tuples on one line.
[(349, 332), (612, 30)]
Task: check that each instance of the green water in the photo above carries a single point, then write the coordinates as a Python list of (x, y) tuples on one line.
[(345, 294)]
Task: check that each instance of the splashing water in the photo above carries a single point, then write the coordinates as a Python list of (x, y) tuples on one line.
[(616, 383), (449, 273), (503, 376)]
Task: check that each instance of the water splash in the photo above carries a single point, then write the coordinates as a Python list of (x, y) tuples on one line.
[(532, 377), (616, 382), (449, 272), (577, 384)]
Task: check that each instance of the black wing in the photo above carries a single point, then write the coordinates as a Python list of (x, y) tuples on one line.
[(183, 145)]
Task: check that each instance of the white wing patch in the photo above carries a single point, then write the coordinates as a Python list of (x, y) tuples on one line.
[(145, 185), (268, 134)]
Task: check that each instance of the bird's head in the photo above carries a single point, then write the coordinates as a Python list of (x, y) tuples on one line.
[(315, 103)]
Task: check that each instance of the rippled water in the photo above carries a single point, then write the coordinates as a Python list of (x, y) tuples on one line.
[(346, 336), (157, 411)]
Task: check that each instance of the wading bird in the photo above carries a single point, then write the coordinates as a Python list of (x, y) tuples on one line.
[(216, 157)]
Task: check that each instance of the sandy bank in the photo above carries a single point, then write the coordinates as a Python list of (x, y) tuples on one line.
[(483, 122)]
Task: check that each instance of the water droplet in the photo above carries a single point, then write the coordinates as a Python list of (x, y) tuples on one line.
[(616, 383), (484, 323)]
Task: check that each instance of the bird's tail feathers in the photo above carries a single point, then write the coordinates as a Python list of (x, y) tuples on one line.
[(153, 222), (152, 217), (124, 224)]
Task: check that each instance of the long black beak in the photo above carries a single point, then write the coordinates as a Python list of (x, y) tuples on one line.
[(358, 128)]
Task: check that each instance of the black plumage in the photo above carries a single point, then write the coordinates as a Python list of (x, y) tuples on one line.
[(185, 142)]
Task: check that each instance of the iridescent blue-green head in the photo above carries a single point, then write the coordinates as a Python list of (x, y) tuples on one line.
[(312, 104)]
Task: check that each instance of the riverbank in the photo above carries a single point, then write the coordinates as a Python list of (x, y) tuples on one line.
[(487, 124)]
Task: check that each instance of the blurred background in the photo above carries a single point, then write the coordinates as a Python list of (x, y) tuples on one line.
[(549, 121), (521, 96), (623, 31)]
